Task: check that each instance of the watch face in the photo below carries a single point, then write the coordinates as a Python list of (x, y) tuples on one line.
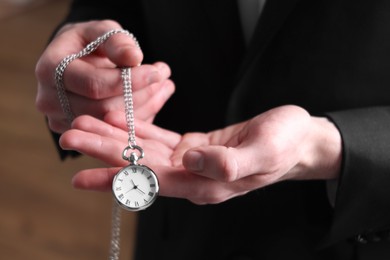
[(135, 187)]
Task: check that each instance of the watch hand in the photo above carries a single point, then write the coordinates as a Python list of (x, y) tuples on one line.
[(138, 189), (129, 190)]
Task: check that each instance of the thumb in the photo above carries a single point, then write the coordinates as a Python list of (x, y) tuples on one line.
[(123, 50), (221, 163)]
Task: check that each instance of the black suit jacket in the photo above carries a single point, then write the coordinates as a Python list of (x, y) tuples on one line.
[(332, 57)]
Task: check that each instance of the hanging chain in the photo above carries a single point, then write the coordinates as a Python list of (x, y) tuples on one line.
[(129, 107), (115, 232), (128, 98)]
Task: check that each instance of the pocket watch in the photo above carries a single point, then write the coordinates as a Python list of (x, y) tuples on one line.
[(135, 187)]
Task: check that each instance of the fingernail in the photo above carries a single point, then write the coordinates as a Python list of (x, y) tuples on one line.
[(194, 161)]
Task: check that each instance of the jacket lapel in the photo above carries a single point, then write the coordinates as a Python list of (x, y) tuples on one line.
[(274, 16), (224, 17)]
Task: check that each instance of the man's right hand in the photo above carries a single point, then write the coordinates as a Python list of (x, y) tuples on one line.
[(93, 83)]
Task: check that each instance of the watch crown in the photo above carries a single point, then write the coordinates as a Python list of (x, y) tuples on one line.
[(133, 158)]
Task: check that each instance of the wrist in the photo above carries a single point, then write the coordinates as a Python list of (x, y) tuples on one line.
[(322, 154)]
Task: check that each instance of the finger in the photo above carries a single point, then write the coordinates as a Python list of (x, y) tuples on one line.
[(58, 126), (121, 49), (49, 106), (148, 131), (188, 141), (95, 108), (223, 163), (99, 179), (94, 145), (163, 68), (85, 79), (150, 100), (92, 125), (144, 130), (79, 106)]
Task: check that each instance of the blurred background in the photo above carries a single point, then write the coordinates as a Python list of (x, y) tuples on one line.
[(41, 215)]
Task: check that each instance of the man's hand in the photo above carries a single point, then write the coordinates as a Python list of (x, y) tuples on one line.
[(93, 83), (284, 143)]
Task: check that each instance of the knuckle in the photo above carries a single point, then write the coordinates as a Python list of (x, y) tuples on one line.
[(40, 104), (44, 105), (152, 89), (107, 106), (93, 87), (40, 70), (229, 168), (43, 70)]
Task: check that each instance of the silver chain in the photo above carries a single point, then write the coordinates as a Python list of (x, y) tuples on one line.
[(129, 106), (129, 109), (115, 232)]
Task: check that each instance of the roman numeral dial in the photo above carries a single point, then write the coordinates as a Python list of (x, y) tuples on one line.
[(135, 187)]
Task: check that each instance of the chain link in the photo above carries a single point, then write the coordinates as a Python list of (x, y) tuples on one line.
[(128, 98)]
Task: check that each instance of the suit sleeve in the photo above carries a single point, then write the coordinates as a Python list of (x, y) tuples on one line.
[(362, 207)]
